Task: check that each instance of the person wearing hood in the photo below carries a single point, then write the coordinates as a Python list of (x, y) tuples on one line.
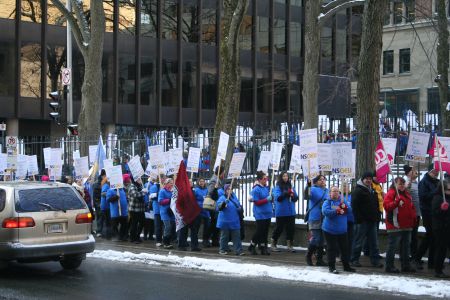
[(428, 187), (366, 213)]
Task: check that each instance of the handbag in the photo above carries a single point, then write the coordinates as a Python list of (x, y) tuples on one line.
[(209, 203), (309, 209)]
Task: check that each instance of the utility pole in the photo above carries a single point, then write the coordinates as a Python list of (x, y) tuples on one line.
[(69, 66)]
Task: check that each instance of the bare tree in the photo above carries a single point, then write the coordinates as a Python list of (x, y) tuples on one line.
[(230, 71), (369, 84), (89, 38)]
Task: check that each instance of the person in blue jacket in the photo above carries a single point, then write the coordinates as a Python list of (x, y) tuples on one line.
[(316, 194), (153, 195), (262, 211), (334, 226), (104, 207), (228, 221), (167, 216), (284, 198), (200, 193), (118, 205)]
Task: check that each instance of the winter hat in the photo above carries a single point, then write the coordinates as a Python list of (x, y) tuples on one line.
[(45, 178), (226, 187), (126, 178), (367, 174), (407, 169)]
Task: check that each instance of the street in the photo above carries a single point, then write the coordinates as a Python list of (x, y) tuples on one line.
[(101, 279)]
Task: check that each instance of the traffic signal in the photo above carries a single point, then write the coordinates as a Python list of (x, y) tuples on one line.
[(55, 105), (73, 129)]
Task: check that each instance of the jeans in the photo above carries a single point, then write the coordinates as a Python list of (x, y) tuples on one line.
[(404, 237), (366, 230), (262, 231), (158, 228), (183, 233), (336, 242), (169, 232), (350, 237), (235, 237), (316, 238), (287, 223), (213, 230)]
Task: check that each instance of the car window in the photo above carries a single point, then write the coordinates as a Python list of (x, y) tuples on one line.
[(2, 199), (48, 199)]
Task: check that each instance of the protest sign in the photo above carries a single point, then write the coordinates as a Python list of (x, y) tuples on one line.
[(308, 151), (276, 150), (136, 167), (295, 165), (416, 151), (81, 166), (324, 159), (33, 168), (115, 177), (342, 159), (237, 162), (264, 161), (193, 160)]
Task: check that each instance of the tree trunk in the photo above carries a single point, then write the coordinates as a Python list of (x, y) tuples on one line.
[(369, 85), (311, 66), (91, 91), (230, 73), (442, 65)]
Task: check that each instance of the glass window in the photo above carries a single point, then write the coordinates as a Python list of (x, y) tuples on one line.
[(264, 95), (295, 32), (262, 34), (357, 13), (209, 22), (189, 92), (387, 15), (246, 99), (127, 78), (296, 99), (398, 102), (404, 61), (7, 9), (148, 81), (149, 25), (54, 16), (341, 43), (388, 62), (280, 97), (279, 36), (169, 83), (48, 199), (169, 20), (209, 91), (127, 17), (7, 67), (398, 12), (190, 21), (31, 11), (245, 36), (410, 10), (30, 70), (326, 48), (56, 60)]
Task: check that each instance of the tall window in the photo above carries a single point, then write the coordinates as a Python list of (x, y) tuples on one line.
[(404, 61), (149, 18), (208, 17), (398, 12), (169, 20), (388, 62), (410, 10)]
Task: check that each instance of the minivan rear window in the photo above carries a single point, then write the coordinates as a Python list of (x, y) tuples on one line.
[(48, 199)]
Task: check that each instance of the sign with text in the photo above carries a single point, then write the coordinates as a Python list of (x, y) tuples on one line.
[(237, 162), (56, 157), (390, 146), (33, 168), (308, 152), (115, 177), (342, 159), (193, 160), (276, 149), (264, 161), (325, 159), (136, 167), (3, 163), (81, 166), (417, 146), (295, 165), (156, 162), (47, 157)]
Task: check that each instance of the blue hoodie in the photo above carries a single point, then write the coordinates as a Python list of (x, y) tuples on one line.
[(262, 208), (154, 189), (114, 206), (332, 222), (317, 194), (200, 193), (164, 198), (103, 203), (284, 205), (229, 216)]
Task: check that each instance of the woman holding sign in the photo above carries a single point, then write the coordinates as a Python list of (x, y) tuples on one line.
[(167, 216), (262, 210), (285, 198)]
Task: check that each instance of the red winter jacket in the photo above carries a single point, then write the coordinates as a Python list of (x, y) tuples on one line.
[(405, 216)]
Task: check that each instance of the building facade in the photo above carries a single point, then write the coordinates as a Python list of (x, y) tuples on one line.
[(161, 61)]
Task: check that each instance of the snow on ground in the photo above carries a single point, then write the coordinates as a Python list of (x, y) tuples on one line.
[(386, 283)]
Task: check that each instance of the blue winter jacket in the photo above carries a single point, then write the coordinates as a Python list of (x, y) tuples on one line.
[(148, 186), (200, 193), (317, 194), (350, 216), (103, 203), (332, 222), (164, 205), (284, 205), (154, 189), (114, 206), (262, 208), (229, 216)]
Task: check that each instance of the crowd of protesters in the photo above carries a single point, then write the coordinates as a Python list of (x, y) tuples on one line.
[(342, 224)]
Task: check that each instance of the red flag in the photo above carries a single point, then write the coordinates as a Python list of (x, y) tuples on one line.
[(186, 203), (442, 156), (381, 163)]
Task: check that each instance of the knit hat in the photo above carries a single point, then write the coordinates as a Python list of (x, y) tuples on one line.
[(45, 178), (126, 178), (407, 169), (367, 174)]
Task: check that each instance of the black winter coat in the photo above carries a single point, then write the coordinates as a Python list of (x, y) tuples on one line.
[(428, 187), (440, 218), (365, 204)]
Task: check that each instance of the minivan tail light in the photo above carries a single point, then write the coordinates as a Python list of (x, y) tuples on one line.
[(84, 218), (21, 222)]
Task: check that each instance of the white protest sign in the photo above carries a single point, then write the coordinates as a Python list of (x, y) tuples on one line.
[(237, 162), (342, 158), (275, 149), (76, 154), (56, 157), (176, 156), (115, 177), (223, 145), (308, 151), (324, 158), (21, 166), (136, 167), (107, 164), (33, 168), (264, 161), (353, 175), (11, 158), (81, 166), (92, 154), (55, 173), (417, 146), (295, 165), (47, 157), (156, 163), (193, 160), (390, 146), (3, 163)]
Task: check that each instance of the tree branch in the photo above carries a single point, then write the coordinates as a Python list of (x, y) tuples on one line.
[(333, 7), (77, 7)]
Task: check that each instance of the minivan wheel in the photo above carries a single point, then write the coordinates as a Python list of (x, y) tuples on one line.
[(71, 262)]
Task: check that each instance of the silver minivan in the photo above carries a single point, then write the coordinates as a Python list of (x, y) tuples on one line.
[(44, 222)]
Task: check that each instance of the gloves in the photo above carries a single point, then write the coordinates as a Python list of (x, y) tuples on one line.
[(444, 206), (344, 207), (340, 211), (153, 195), (269, 198), (291, 193), (223, 205)]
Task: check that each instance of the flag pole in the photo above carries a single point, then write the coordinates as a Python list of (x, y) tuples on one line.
[(231, 187)]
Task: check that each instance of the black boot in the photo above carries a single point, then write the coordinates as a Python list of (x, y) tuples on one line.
[(264, 250), (252, 249), (347, 268), (309, 254), (320, 262)]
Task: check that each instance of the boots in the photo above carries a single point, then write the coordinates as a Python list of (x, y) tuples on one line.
[(252, 249), (264, 250), (273, 246), (290, 246), (309, 254), (320, 262)]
